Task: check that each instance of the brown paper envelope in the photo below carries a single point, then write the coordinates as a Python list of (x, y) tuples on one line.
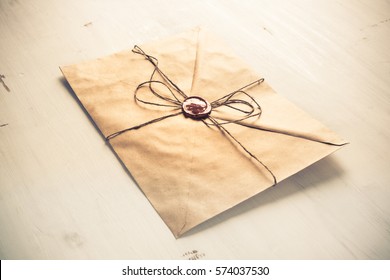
[(191, 172)]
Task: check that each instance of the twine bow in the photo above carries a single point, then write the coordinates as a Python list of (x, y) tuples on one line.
[(249, 108)]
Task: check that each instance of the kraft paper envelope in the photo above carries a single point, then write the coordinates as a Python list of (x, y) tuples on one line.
[(191, 171)]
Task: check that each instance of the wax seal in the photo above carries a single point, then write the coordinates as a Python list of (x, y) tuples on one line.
[(196, 107)]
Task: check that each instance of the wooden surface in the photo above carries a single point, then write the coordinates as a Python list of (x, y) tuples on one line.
[(64, 194)]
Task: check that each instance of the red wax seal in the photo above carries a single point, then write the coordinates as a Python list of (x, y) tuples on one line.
[(196, 107)]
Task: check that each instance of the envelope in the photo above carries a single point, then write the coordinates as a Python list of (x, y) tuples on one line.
[(192, 169)]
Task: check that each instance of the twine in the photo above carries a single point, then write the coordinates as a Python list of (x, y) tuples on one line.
[(248, 109)]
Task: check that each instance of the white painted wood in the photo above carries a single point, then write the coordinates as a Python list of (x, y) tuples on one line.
[(64, 194)]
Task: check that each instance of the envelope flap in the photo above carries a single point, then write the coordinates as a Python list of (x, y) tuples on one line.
[(217, 72), (115, 78)]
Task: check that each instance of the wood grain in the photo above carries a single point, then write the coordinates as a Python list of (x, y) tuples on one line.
[(64, 194)]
